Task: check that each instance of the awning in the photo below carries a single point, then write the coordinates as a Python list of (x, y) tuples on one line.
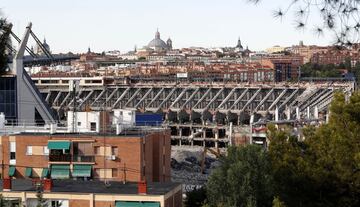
[(60, 171), (136, 204), (58, 145), (28, 172), (82, 171), (45, 172), (12, 171)]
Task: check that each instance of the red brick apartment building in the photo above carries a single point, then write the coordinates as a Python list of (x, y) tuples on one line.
[(131, 156), (76, 193), (285, 67)]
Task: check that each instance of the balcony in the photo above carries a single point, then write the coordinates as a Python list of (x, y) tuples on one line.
[(83, 158), (60, 158)]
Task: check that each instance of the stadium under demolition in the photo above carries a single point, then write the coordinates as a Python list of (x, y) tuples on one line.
[(198, 114)]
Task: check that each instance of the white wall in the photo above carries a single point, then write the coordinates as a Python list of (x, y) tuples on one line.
[(83, 121), (124, 117), (32, 202)]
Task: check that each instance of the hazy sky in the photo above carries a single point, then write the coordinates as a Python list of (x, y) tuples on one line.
[(73, 25)]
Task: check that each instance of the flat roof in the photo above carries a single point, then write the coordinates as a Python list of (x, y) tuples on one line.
[(99, 187), (127, 133)]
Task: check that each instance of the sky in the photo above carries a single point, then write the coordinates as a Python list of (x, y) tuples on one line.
[(103, 25)]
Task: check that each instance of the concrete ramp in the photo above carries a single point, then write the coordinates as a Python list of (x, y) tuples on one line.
[(29, 98), (30, 93)]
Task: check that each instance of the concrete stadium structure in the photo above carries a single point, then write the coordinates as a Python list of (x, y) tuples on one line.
[(196, 113)]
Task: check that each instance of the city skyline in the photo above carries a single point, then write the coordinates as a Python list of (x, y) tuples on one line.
[(75, 26)]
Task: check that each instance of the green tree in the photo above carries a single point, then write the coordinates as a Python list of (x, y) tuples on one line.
[(323, 170), (339, 19), (3, 202), (278, 203), (321, 71), (334, 153), (242, 180), (4, 40), (41, 202), (195, 198), (288, 162)]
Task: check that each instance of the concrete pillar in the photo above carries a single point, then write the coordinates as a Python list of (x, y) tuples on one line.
[(252, 119), (180, 135), (230, 133), (328, 117), (192, 136), (308, 112), (288, 114), (297, 113), (216, 138), (204, 136), (251, 133), (2, 121), (316, 112), (276, 114), (53, 128)]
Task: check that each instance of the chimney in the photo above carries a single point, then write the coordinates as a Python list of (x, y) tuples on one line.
[(7, 184), (48, 184), (142, 187)]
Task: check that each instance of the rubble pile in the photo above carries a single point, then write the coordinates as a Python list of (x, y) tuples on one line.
[(186, 166)]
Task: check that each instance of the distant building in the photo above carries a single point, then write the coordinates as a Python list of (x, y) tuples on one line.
[(307, 51), (275, 49), (240, 51), (156, 45), (239, 47), (286, 67), (39, 51)]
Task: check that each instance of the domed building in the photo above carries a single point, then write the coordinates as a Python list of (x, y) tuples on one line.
[(38, 49), (157, 44)]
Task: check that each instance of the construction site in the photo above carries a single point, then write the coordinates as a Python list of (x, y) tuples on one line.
[(204, 114), (211, 115)]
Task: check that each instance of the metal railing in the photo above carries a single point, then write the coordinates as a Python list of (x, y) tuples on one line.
[(83, 158), (60, 158)]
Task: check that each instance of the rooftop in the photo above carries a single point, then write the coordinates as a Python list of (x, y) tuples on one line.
[(76, 186), (135, 131)]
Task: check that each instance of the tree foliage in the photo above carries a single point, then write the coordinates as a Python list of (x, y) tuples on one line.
[(323, 170), (339, 18), (4, 40), (243, 179), (41, 202), (322, 71), (195, 198)]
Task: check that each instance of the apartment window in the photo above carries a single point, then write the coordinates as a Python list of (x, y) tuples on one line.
[(97, 150), (114, 172), (92, 126), (114, 151), (12, 151), (29, 150), (79, 123), (46, 150), (56, 203), (12, 156)]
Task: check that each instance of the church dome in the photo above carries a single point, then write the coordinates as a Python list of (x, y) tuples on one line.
[(157, 43)]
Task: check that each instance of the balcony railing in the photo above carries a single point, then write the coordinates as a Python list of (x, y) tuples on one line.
[(83, 158), (60, 158)]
